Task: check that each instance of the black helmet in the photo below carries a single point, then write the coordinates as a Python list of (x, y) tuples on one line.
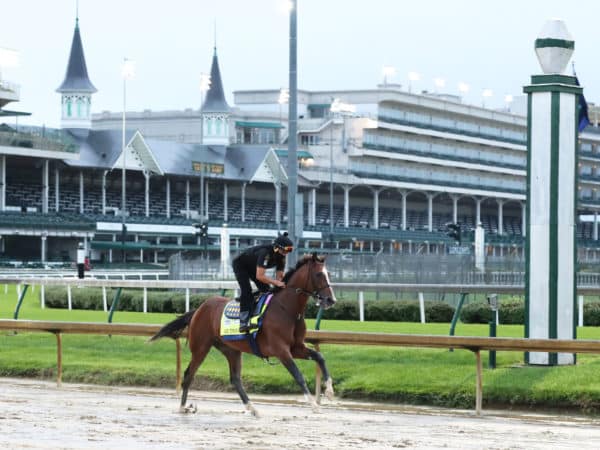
[(284, 242)]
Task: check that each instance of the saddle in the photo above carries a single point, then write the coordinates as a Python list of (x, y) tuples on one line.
[(230, 320)]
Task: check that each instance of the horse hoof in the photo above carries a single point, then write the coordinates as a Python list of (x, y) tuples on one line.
[(252, 410), (190, 409), (329, 390)]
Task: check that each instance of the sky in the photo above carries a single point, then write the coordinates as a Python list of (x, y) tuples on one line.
[(342, 44)]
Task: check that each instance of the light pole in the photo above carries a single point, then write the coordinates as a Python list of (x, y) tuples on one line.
[(204, 86), (293, 124), (412, 77), (128, 71)]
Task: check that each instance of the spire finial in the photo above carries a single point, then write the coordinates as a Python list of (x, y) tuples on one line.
[(77, 13), (215, 37)]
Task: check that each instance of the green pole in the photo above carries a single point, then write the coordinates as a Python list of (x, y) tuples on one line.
[(20, 301), (113, 306), (492, 353), (463, 296), (319, 316)]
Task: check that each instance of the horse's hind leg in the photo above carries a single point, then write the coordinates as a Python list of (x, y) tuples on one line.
[(199, 352), (308, 353), (234, 358)]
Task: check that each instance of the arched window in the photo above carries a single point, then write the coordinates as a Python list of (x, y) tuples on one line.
[(69, 108), (218, 127), (79, 107)]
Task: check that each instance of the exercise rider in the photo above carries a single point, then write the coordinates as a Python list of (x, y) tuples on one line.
[(252, 264)]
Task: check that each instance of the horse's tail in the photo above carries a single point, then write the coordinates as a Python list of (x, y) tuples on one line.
[(175, 328)]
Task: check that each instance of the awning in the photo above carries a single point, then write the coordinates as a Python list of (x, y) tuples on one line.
[(301, 154), (5, 113), (258, 124), (141, 245)]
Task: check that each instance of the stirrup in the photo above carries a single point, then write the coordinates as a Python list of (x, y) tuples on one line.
[(244, 327)]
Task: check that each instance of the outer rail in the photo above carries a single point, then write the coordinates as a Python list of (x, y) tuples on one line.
[(471, 343)]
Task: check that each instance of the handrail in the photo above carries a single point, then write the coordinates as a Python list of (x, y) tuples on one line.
[(472, 343)]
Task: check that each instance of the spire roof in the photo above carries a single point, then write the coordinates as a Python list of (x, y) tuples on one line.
[(76, 78), (215, 97)]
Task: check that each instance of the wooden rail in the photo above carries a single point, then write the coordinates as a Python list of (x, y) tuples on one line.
[(471, 343)]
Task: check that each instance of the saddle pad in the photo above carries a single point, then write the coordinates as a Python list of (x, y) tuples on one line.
[(230, 323)]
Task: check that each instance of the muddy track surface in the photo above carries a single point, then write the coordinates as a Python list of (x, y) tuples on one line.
[(38, 415)]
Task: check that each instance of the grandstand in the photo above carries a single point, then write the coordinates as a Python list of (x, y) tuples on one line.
[(402, 165)]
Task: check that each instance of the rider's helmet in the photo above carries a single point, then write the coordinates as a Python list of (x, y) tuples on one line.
[(284, 243)]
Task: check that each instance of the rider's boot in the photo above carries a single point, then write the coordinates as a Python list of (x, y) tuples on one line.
[(244, 319)]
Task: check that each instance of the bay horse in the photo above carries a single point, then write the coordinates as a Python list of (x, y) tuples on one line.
[(281, 335)]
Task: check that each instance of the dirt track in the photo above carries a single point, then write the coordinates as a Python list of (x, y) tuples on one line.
[(39, 415)]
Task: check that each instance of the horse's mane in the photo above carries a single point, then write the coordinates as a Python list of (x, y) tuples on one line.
[(300, 263)]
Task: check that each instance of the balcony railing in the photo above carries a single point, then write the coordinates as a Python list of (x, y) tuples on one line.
[(56, 141)]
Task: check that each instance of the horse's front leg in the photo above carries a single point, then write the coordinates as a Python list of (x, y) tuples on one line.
[(304, 352), (290, 365)]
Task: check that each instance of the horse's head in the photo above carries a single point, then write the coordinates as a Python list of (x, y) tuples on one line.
[(319, 281)]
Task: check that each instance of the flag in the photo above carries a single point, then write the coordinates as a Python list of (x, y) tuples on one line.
[(582, 111)]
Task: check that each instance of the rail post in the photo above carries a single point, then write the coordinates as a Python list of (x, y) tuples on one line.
[(113, 306), (20, 301)]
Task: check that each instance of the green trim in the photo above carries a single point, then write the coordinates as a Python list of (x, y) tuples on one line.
[(575, 194), (301, 154), (553, 244), (528, 218), (551, 42), (554, 79), (553, 87), (243, 124)]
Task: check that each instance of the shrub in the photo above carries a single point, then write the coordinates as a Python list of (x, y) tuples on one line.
[(477, 312), (591, 314), (130, 300)]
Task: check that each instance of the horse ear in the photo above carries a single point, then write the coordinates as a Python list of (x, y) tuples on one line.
[(314, 256)]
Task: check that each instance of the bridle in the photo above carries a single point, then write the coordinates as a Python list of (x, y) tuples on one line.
[(316, 293)]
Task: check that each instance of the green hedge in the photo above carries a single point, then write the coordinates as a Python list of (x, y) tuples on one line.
[(513, 313), (174, 302), (130, 300)]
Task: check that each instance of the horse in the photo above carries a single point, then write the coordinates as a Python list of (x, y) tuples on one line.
[(281, 336)]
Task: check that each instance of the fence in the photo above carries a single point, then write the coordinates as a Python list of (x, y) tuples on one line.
[(473, 344)]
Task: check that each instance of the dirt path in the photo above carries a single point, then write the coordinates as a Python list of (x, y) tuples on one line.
[(39, 415)]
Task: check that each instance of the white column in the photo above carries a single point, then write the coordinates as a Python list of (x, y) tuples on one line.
[(43, 248), (313, 209), (551, 194), (104, 172), (430, 212), (404, 194), (147, 192), (225, 202), (206, 199), (455, 209), (187, 199), (45, 186), (347, 206), (168, 198), (244, 201), (478, 210), (81, 208), (376, 208), (500, 217), (3, 183), (56, 189)]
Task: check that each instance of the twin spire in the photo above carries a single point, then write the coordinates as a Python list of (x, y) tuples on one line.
[(76, 79), (76, 89)]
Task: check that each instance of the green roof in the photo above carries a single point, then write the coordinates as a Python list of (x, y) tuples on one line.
[(258, 124)]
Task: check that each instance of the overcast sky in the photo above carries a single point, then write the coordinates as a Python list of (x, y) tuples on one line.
[(342, 44)]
